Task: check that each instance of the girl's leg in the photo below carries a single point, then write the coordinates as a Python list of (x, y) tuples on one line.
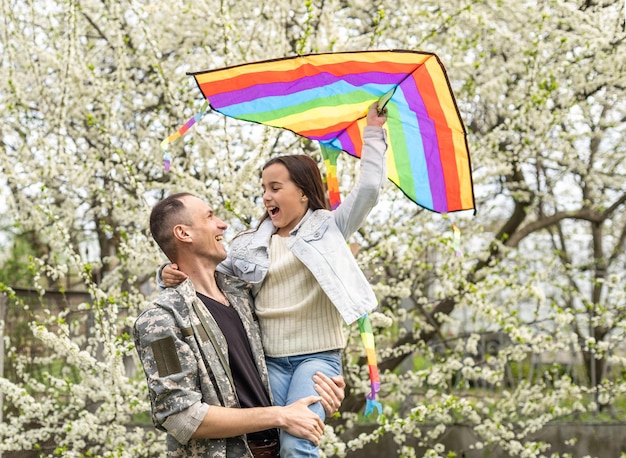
[(280, 372), (304, 367)]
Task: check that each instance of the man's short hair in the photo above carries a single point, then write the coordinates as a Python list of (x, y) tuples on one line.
[(164, 217)]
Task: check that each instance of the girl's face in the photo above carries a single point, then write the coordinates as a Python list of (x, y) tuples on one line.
[(284, 201)]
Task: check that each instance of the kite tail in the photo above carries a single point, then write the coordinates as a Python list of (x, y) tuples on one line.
[(367, 336), (332, 183), (167, 158)]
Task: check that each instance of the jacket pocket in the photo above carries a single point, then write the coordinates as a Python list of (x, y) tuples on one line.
[(315, 234), (247, 270), (324, 239)]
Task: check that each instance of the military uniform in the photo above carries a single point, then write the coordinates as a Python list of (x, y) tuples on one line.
[(185, 358)]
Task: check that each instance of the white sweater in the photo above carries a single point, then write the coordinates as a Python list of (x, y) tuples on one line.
[(295, 315)]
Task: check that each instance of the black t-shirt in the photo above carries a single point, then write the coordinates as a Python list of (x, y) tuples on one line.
[(248, 385)]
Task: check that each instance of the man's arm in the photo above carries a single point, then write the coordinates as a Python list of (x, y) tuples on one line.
[(297, 419)]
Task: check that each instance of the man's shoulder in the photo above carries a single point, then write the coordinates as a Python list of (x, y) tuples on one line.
[(167, 298), (165, 303), (232, 285)]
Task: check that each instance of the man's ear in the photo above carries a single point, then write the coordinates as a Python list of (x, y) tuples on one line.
[(181, 233)]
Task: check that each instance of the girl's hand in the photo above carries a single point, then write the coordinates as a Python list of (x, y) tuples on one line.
[(332, 391), (171, 276), (375, 119)]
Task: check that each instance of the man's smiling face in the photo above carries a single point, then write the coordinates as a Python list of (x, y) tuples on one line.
[(206, 229)]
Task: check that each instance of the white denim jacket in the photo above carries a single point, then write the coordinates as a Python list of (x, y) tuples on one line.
[(319, 240)]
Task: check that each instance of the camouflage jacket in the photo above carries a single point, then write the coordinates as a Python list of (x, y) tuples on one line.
[(185, 358)]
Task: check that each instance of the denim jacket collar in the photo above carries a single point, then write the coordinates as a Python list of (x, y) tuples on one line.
[(310, 222)]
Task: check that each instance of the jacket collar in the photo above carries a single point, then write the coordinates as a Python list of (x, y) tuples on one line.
[(302, 222), (310, 222)]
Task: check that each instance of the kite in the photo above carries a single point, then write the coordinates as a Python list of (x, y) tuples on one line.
[(325, 97)]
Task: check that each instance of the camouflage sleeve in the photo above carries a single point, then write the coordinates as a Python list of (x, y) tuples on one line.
[(169, 364), (182, 425)]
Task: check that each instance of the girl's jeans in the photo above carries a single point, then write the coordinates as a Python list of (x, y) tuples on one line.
[(291, 378)]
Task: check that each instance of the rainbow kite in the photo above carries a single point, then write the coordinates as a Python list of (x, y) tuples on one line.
[(325, 97)]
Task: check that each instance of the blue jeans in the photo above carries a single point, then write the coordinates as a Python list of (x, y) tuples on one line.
[(291, 378)]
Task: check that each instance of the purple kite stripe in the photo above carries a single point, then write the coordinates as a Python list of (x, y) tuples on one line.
[(293, 87), (326, 138), (344, 142)]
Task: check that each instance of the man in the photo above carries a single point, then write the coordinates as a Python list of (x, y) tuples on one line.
[(200, 347)]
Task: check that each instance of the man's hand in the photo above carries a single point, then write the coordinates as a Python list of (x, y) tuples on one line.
[(300, 421), (171, 276), (297, 419), (332, 391)]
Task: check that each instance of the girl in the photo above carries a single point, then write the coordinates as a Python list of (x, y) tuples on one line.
[(304, 278)]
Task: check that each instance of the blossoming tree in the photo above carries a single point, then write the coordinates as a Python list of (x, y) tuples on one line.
[(90, 89)]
